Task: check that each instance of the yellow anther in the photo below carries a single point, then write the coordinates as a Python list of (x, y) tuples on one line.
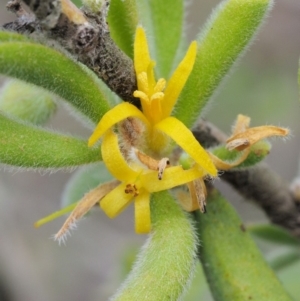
[(143, 83), (143, 96), (160, 85)]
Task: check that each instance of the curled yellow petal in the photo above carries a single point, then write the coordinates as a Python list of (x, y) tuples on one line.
[(185, 139), (225, 165), (114, 160), (142, 213), (178, 79), (116, 201), (187, 202), (173, 176), (253, 135), (115, 115)]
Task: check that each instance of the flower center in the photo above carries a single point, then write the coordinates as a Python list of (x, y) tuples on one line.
[(151, 96), (132, 189)]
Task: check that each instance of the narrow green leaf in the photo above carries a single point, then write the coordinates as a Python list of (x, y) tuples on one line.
[(6, 36), (163, 21), (258, 152), (274, 234), (167, 18), (234, 267), (54, 71), (290, 279), (285, 259), (226, 35), (166, 263), (122, 21), (26, 102), (26, 146)]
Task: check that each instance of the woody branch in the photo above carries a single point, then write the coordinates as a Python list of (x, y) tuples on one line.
[(84, 34)]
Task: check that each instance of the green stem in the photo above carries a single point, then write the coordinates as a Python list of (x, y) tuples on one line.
[(166, 263)]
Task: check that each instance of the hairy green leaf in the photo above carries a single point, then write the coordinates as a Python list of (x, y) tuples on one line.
[(26, 102), (54, 71), (123, 20), (26, 146), (234, 267), (226, 35), (167, 26), (6, 36), (163, 21), (166, 263)]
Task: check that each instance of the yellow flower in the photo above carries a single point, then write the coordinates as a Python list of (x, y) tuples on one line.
[(157, 106), (157, 99), (137, 182)]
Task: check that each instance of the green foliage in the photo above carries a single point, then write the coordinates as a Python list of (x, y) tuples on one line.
[(285, 259), (27, 146), (290, 279), (12, 37), (166, 263), (234, 267), (26, 102), (58, 74), (122, 20), (163, 21), (274, 234), (227, 34), (167, 25)]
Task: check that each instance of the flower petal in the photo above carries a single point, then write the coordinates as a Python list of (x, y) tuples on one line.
[(178, 79), (83, 206), (142, 213), (255, 134), (187, 202), (185, 139), (242, 123), (114, 160), (142, 58), (115, 115), (225, 165), (116, 201), (173, 176)]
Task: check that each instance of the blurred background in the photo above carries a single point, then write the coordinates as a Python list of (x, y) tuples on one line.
[(33, 267)]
